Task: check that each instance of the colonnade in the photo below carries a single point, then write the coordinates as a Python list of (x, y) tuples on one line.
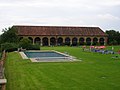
[(66, 40)]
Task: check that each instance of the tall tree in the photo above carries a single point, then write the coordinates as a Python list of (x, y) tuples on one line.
[(9, 35), (113, 37)]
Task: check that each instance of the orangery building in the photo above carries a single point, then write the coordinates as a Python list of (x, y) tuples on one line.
[(62, 35)]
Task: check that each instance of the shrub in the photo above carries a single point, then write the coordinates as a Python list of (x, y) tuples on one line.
[(25, 43), (9, 47), (34, 47)]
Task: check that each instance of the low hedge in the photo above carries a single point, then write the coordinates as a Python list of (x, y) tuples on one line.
[(9, 47), (33, 47)]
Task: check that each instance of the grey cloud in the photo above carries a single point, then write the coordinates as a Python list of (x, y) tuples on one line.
[(60, 12)]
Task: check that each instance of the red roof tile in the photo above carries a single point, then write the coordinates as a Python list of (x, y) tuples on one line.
[(58, 30)]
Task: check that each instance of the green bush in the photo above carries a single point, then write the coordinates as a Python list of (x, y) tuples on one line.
[(34, 47), (25, 43), (9, 47)]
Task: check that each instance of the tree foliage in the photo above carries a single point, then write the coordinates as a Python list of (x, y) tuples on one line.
[(25, 43), (113, 37), (9, 35), (9, 47)]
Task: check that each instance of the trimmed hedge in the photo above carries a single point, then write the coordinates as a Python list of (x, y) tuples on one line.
[(33, 47), (9, 47)]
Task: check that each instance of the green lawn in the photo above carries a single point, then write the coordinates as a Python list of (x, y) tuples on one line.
[(94, 72)]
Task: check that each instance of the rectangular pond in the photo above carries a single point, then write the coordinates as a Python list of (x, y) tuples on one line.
[(47, 56)]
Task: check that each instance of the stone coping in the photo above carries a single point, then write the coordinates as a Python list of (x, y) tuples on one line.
[(69, 58), (3, 81), (23, 55)]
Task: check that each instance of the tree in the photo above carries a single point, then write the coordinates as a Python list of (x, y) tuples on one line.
[(113, 37), (25, 43), (9, 35)]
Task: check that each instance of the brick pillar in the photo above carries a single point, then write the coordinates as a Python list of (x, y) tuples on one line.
[(70, 40), (78, 40), (64, 40), (98, 40), (41, 42), (56, 41), (33, 40), (105, 40), (85, 40), (48, 41), (91, 40)]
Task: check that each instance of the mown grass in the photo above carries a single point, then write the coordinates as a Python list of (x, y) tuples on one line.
[(95, 72)]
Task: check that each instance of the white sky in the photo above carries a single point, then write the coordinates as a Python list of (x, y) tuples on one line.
[(102, 13)]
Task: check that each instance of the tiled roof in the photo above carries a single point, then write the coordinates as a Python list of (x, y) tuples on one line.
[(58, 30)]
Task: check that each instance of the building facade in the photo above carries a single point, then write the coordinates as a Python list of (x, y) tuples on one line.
[(62, 35)]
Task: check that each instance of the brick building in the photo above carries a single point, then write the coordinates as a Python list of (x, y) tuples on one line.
[(62, 35)]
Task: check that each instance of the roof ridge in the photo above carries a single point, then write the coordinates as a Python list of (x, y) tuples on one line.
[(55, 26)]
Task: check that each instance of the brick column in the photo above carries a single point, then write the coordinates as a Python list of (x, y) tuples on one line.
[(64, 40), (78, 40), (41, 42), (105, 40), (98, 40), (91, 40), (70, 40), (56, 41), (48, 41), (33, 40), (85, 40)]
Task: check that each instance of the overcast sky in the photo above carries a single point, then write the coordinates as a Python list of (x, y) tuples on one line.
[(102, 13)]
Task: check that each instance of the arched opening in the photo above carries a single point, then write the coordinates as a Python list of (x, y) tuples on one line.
[(101, 41), (45, 41), (88, 41), (67, 41), (74, 41), (60, 41), (95, 41), (31, 39), (52, 41), (37, 40), (81, 40)]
